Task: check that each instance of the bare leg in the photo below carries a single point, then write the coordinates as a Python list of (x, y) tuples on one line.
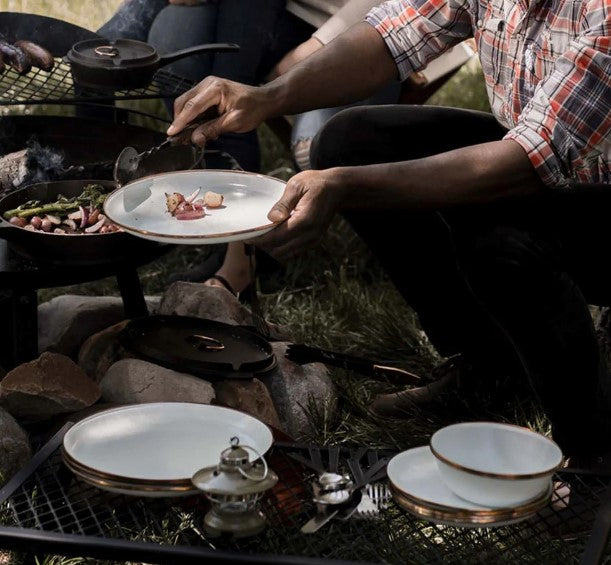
[(235, 268)]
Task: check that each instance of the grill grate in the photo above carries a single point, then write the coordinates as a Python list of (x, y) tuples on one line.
[(57, 87), (45, 509)]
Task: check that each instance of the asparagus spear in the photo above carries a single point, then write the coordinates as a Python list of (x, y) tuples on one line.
[(92, 195)]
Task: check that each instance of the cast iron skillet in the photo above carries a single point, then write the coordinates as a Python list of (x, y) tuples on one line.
[(126, 63), (206, 348), (65, 248)]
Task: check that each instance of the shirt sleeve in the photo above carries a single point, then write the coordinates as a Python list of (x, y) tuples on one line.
[(417, 31), (351, 13), (566, 127)]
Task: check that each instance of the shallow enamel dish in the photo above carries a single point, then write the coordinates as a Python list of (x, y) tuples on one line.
[(140, 207), (131, 489), (162, 442), (417, 486)]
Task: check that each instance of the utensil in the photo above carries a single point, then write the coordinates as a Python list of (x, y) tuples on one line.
[(158, 444), (494, 464), (129, 164), (375, 498), (198, 346), (126, 63), (300, 353), (343, 511), (417, 486), (140, 206)]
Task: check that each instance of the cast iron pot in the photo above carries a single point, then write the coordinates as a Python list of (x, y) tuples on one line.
[(67, 248), (126, 63)]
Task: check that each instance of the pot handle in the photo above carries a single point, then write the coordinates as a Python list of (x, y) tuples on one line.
[(206, 48)]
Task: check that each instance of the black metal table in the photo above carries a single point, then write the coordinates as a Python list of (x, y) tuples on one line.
[(44, 509)]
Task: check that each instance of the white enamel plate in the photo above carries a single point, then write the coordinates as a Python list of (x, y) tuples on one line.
[(140, 207), (160, 441)]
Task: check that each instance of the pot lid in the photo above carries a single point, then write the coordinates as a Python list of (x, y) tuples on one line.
[(113, 53), (199, 346)]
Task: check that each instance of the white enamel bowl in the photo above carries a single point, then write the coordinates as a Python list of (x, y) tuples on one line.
[(495, 465)]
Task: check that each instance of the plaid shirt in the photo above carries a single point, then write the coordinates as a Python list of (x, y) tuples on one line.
[(547, 66)]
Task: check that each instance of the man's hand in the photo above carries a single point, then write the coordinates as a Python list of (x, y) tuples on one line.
[(309, 202), (240, 107)]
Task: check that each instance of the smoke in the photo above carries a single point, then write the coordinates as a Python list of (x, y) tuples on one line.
[(43, 163)]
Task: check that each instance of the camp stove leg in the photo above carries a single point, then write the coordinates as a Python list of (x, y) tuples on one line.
[(19, 330), (131, 293)]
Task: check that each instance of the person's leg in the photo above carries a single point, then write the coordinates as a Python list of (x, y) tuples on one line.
[(508, 277), (180, 27), (132, 20), (535, 271), (415, 249), (308, 124)]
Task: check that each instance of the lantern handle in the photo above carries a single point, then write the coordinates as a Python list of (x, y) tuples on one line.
[(259, 456)]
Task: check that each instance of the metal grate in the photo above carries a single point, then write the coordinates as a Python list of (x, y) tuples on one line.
[(57, 87), (45, 509)]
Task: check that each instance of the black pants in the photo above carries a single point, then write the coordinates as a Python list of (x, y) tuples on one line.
[(507, 283)]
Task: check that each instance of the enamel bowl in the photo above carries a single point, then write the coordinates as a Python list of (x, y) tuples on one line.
[(495, 465)]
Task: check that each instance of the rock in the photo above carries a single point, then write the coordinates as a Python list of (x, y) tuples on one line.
[(133, 381), (250, 396), (50, 385), (101, 350), (203, 301), (15, 449), (65, 322), (295, 388), (211, 303)]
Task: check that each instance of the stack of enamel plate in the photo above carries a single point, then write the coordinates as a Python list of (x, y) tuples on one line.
[(154, 449), (476, 474)]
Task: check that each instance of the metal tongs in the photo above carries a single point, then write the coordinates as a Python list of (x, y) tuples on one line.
[(129, 160)]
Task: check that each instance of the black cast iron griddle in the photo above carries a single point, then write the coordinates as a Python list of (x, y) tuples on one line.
[(198, 346)]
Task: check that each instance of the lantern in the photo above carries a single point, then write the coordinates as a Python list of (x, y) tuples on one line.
[(234, 487)]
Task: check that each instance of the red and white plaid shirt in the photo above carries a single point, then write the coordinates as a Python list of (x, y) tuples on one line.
[(547, 65)]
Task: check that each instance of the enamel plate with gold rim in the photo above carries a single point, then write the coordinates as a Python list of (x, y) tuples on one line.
[(140, 207), (417, 486), (159, 444)]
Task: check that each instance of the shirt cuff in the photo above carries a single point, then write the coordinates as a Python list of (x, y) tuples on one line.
[(379, 20), (541, 155)]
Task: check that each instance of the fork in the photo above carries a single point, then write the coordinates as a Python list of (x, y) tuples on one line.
[(376, 497)]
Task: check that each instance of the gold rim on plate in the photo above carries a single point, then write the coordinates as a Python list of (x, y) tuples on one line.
[(132, 487), (462, 517), (101, 475)]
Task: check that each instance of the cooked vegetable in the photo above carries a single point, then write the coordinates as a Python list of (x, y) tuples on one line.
[(77, 215)]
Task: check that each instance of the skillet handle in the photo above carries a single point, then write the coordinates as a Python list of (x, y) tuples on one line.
[(206, 48)]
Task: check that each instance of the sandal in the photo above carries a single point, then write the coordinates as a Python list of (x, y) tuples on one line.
[(224, 282)]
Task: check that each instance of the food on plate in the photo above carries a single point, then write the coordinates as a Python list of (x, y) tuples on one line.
[(190, 207), (80, 214), (213, 199)]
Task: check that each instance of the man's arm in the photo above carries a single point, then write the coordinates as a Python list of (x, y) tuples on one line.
[(351, 67), (471, 175)]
